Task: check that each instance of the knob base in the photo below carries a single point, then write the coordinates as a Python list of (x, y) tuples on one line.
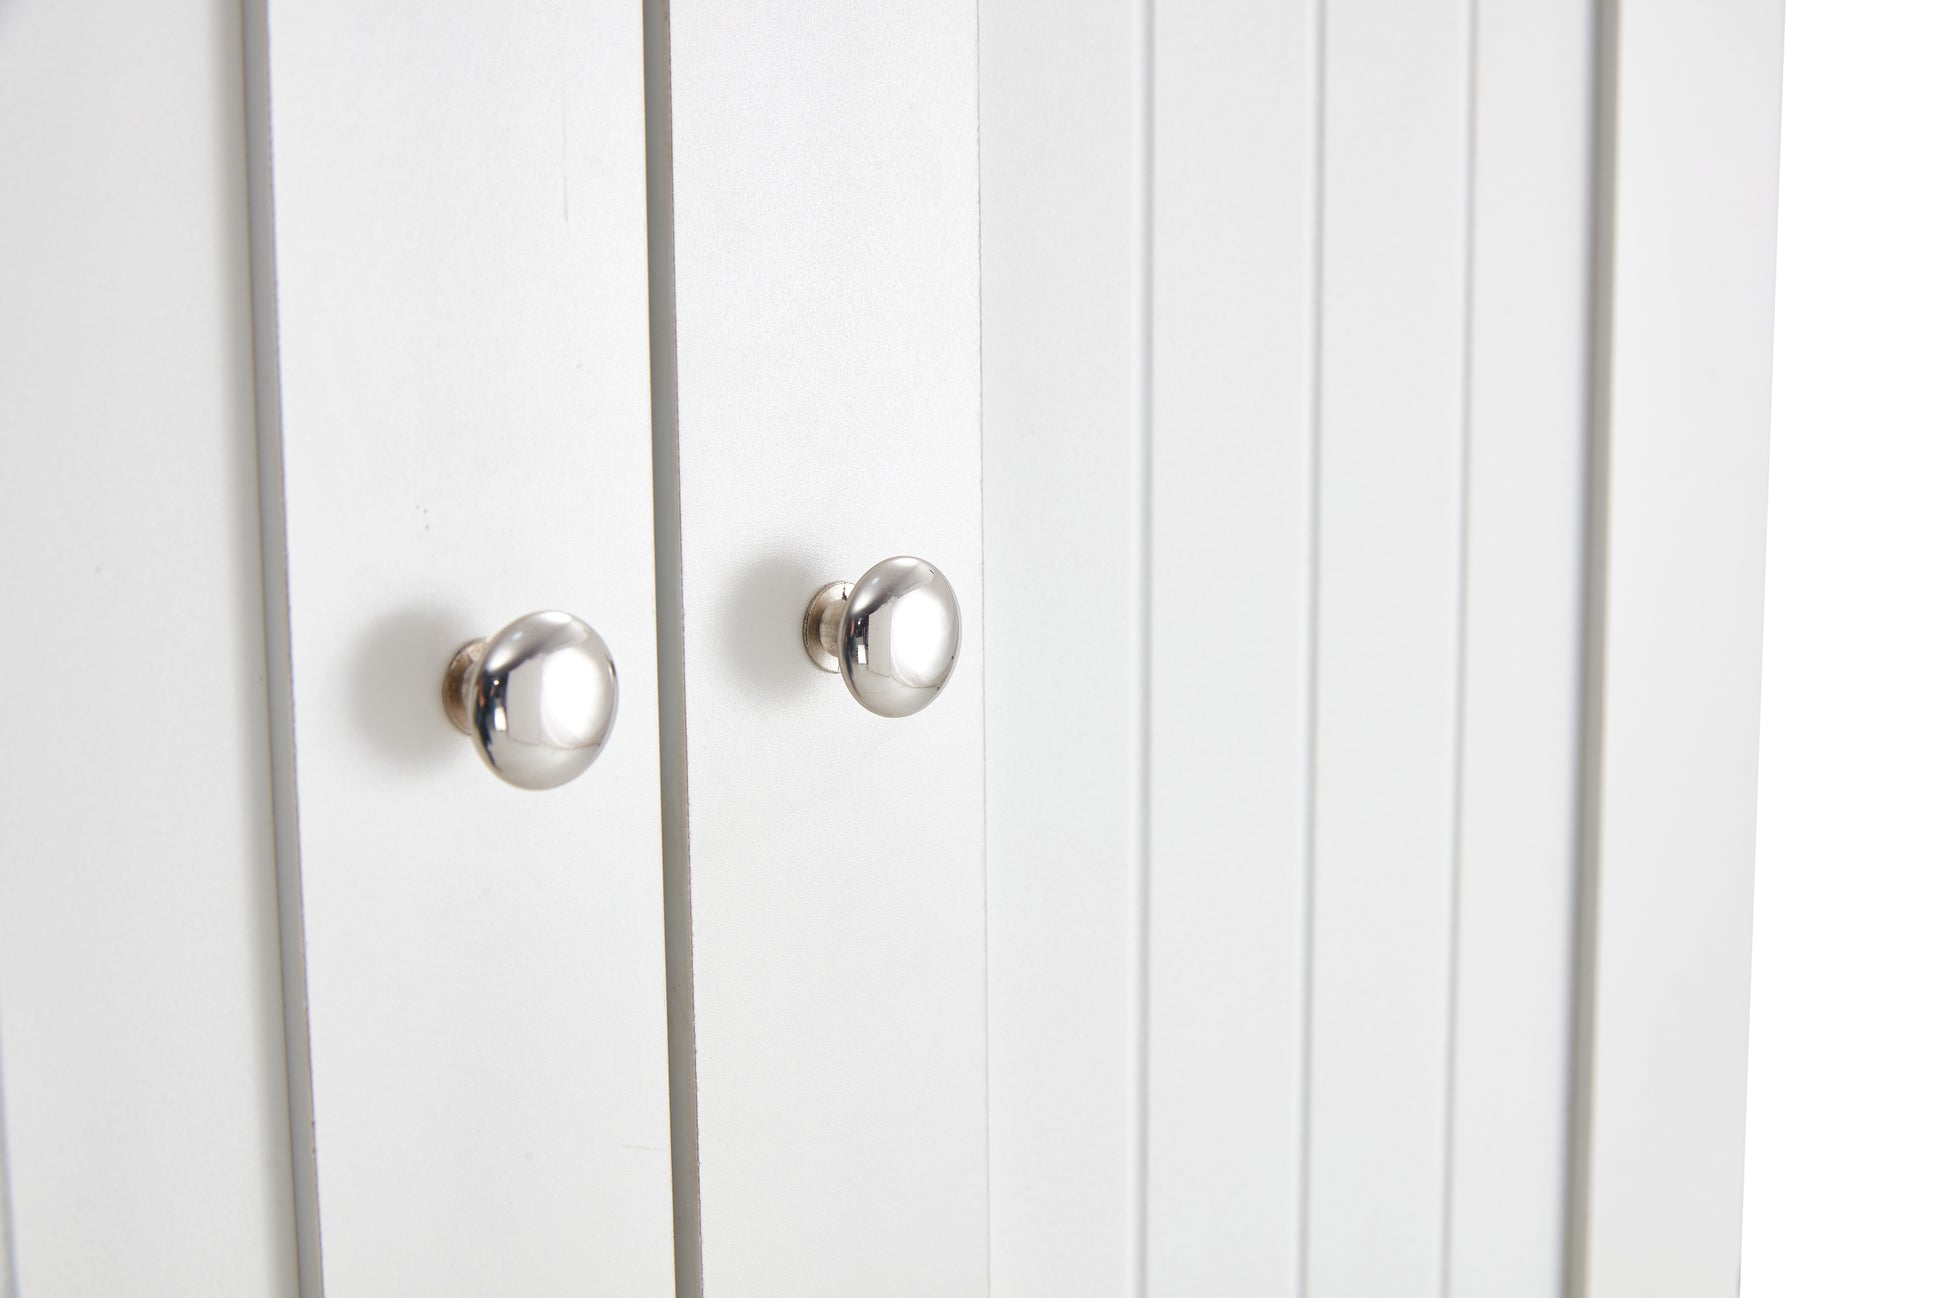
[(453, 691), (821, 624)]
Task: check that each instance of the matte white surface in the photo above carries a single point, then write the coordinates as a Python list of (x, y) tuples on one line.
[(1527, 416), (1145, 960), (826, 380), (1695, 190), (1842, 1192), (453, 305), (1390, 486), (140, 1028), (1235, 229), (1456, 245), (1063, 259)]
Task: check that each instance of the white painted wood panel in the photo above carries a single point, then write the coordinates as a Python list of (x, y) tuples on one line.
[(1684, 411), (1235, 225), (1527, 418), (453, 365), (140, 1029), (1392, 431), (819, 346), (1453, 263), (1063, 259)]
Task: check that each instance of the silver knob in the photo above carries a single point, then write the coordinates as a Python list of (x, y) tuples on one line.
[(538, 699), (893, 635)]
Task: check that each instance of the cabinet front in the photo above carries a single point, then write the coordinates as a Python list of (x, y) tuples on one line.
[(870, 649)]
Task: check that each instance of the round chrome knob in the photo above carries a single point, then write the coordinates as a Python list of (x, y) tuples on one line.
[(893, 635), (538, 699)]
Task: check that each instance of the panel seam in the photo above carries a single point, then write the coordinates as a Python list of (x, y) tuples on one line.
[(1469, 216), (1144, 778), (279, 650), (1307, 926), (1602, 182)]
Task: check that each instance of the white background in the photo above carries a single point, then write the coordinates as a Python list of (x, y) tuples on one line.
[(1846, 1178)]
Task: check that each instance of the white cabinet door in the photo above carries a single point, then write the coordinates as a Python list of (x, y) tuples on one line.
[(817, 342), (141, 1043), (452, 312)]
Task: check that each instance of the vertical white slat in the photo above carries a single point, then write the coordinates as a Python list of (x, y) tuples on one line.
[(822, 289), (1229, 607), (1390, 554), (452, 308), (147, 1146), (1527, 412), (1684, 407), (1063, 265)]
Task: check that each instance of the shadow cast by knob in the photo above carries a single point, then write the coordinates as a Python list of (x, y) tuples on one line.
[(396, 670), (761, 631)]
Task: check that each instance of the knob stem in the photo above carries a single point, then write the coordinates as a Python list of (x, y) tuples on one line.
[(458, 685), (824, 624)]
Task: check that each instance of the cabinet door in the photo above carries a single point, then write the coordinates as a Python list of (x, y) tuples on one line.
[(141, 1035), (452, 311), (817, 341)]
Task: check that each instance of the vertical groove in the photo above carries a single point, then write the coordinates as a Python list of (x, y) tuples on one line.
[(1145, 619), (1469, 146), (986, 746), (279, 677), (1307, 927), (685, 1157), (1594, 639)]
